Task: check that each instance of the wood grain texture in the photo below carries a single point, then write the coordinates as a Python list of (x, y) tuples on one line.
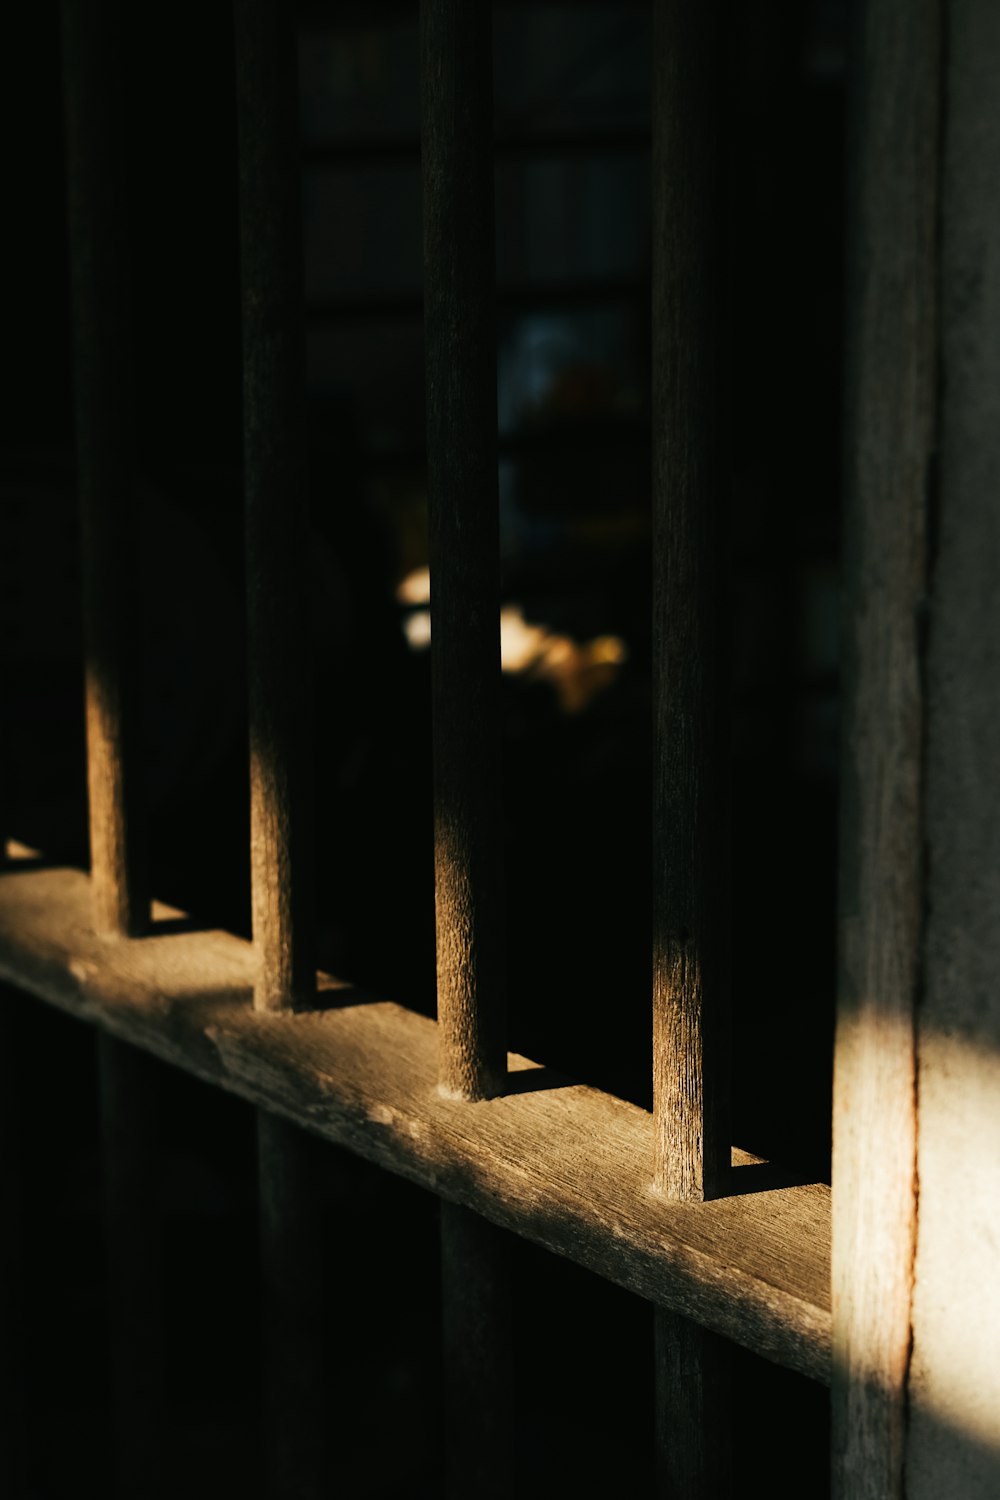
[(890, 441), (566, 1167), (460, 336), (691, 770), (953, 1391), (693, 1421), (96, 133), (476, 1339), (276, 503)]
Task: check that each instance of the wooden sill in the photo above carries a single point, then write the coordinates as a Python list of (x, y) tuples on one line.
[(559, 1163)]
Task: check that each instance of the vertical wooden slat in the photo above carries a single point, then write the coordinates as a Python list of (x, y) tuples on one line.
[(96, 132), (890, 441), (130, 1157), (953, 1387), (298, 1419), (460, 333), (692, 1407), (15, 1317), (692, 1144), (279, 692), (690, 812), (477, 1359), (276, 504)]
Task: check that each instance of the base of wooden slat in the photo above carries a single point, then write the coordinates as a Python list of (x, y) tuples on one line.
[(300, 1418), (131, 1168), (693, 1425), (562, 1164), (476, 1338)]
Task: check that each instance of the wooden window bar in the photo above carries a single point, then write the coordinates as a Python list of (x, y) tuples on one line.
[(692, 1159), (119, 895), (659, 1204), (103, 384), (456, 69), (280, 688)]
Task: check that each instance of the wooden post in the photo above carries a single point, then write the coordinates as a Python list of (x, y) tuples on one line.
[(15, 1317), (691, 927), (460, 334), (280, 687), (130, 1158), (297, 1410), (277, 515), (476, 1313), (953, 1388), (691, 768), (96, 132), (890, 441), (692, 1410)]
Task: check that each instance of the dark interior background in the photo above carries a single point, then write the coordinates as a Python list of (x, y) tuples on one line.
[(573, 254)]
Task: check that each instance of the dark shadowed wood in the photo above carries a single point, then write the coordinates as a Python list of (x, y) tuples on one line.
[(566, 1167), (693, 1451), (691, 772), (15, 1316), (279, 689), (299, 1415), (691, 769), (96, 132), (460, 332), (476, 1334), (276, 503), (130, 1160), (890, 440)]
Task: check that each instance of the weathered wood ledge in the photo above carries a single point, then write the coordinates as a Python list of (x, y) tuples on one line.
[(562, 1164)]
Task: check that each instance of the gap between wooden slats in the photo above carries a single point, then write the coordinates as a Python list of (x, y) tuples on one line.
[(890, 437), (96, 131), (279, 693), (690, 695), (460, 337)]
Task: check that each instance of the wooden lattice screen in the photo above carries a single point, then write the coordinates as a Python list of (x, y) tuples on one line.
[(659, 1203)]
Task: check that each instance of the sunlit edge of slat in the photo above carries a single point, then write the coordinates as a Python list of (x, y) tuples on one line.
[(565, 1165)]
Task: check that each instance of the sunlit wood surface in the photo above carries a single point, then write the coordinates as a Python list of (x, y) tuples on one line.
[(562, 1164)]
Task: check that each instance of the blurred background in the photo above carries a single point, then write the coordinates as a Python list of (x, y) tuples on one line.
[(572, 101)]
